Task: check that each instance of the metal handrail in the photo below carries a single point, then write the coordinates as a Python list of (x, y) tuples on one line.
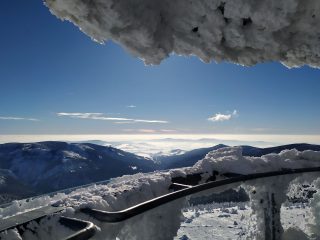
[(26, 217), (85, 229), (118, 216)]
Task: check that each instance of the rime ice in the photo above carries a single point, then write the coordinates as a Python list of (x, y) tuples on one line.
[(244, 32)]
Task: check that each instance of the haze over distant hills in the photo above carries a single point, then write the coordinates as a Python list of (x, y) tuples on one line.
[(27, 169)]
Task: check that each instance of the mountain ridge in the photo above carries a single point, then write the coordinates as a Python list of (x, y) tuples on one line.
[(50, 166)]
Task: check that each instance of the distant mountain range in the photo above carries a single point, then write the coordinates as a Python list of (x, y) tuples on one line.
[(28, 169), (186, 159), (34, 168), (189, 158)]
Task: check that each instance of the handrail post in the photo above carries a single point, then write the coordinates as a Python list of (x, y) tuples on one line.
[(266, 198), (273, 227)]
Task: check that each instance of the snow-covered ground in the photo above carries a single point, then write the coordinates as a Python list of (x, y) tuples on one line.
[(234, 221), (218, 221)]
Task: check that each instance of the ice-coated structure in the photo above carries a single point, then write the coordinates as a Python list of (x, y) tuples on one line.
[(245, 32), (266, 195)]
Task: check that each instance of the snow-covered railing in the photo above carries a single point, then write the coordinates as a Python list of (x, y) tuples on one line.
[(149, 206), (64, 191), (83, 229), (188, 190), (88, 229)]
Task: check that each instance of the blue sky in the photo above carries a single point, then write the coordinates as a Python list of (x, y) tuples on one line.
[(49, 67)]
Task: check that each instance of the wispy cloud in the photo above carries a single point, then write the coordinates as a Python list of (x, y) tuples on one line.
[(101, 116), (131, 106), (19, 119), (123, 122), (78, 115), (218, 117)]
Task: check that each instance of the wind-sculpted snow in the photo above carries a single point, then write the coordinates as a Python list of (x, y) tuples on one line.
[(228, 160), (164, 222), (245, 32)]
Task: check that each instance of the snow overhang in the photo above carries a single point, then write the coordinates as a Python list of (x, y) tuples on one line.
[(244, 32)]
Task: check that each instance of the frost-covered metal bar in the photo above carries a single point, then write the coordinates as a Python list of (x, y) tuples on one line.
[(27, 217), (125, 214), (84, 229), (179, 186)]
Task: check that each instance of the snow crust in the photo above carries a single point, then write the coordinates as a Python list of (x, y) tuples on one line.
[(164, 222), (245, 32)]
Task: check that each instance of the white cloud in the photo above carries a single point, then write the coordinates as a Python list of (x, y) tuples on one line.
[(79, 115), (19, 119), (234, 31), (131, 106), (218, 117), (148, 121), (101, 116), (123, 122)]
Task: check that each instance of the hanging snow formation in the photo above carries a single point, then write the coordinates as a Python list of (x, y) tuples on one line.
[(245, 32)]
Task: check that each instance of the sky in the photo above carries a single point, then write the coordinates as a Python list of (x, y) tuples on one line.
[(56, 80)]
